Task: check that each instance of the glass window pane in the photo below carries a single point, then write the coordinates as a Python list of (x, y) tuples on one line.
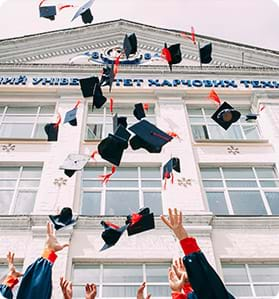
[(240, 290), (85, 273), (153, 200), (40, 131), (29, 183), (126, 172), (197, 119), (19, 119), (91, 203), (264, 273), (151, 184), (7, 183), (94, 131), (217, 203), (241, 184), (25, 202), (157, 273), (119, 291), (92, 183), (92, 172), (273, 200), (9, 172), (212, 183), (251, 132), (16, 130), (121, 202), (266, 173), (47, 109), (22, 110), (159, 291), (247, 203), (199, 132), (216, 132), (234, 273), (269, 184), (122, 184), (5, 201), (266, 290), (238, 173), (193, 111), (210, 173), (150, 172), (31, 172), (123, 273)]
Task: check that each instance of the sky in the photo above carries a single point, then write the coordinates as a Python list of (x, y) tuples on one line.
[(251, 22)]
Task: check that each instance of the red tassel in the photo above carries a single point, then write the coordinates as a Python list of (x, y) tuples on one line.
[(173, 134), (193, 35), (58, 121), (111, 225), (146, 106), (165, 184), (65, 6), (166, 54), (41, 3), (116, 64), (135, 218), (262, 107), (77, 104), (111, 105), (213, 96), (93, 154), (172, 178), (160, 136), (105, 177)]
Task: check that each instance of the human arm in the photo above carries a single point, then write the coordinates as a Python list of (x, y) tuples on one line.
[(67, 288), (140, 292)]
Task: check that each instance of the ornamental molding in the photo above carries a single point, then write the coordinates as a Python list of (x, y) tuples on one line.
[(60, 181), (233, 150), (8, 147)]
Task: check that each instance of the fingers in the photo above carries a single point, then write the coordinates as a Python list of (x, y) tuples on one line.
[(181, 265), (148, 296), (166, 221), (180, 218), (171, 218), (65, 245), (48, 229), (175, 270)]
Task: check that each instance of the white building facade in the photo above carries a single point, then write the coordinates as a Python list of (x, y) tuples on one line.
[(228, 188)]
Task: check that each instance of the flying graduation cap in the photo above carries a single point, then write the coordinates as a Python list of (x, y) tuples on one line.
[(172, 54), (112, 147), (139, 111), (52, 129), (205, 54), (108, 76), (116, 121), (172, 164), (64, 219), (111, 234), (85, 12), (140, 222), (48, 12), (90, 87), (251, 116), (226, 115), (130, 44), (71, 116), (73, 163), (148, 136)]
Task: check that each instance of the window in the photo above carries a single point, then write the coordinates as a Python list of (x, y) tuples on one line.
[(99, 121), (241, 191), (129, 189), (18, 189), (4, 271), (121, 280), (24, 121), (252, 280), (203, 127)]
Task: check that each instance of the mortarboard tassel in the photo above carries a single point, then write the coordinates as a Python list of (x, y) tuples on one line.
[(166, 54), (108, 223), (261, 107), (111, 105), (146, 106), (193, 35), (41, 3), (213, 96), (60, 7), (160, 136), (105, 177), (116, 64), (93, 154), (173, 134), (77, 104), (135, 218), (58, 121)]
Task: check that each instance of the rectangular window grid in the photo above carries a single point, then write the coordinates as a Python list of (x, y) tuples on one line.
[(25, 121), (99, 121), (129, 189), (257, 280), (18, 189), (203, 127), (241, 191), (122, 280)]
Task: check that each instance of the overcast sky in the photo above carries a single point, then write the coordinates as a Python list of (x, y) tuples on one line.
[(253, 22)]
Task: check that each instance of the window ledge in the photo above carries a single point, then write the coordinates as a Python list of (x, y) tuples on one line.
[(229, 142), (90, 141), (24, 140)]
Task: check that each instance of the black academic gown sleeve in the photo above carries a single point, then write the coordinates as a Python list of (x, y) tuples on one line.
[(36, 281), (203, 279), (7, 285)]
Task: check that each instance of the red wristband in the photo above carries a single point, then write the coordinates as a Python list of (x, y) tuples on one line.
[(178, 295), (187, 289), (189, 245), (10, 281), (50, 255)]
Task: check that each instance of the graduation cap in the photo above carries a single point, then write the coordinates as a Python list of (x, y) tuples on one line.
[(148, 136), (205, 53), (226, 115), (130, 44), (172, 54), (172, 164), (85, 13), (140, 222), (65, 218), (116, 121), (51, 131), (48, 12), (70, 117), (111, 234), (251, 116), (111, 148), (139, 111), (108, 76), (73, 163), (91, 87)]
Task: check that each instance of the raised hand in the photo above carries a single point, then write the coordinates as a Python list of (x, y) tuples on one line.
[(176, 283), (51, 241), (178, 268), (175, 223), (90, 291), (67, 288), (12, 268), (140, 292)]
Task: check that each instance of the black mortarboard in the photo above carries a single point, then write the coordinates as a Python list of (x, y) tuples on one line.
[(70, 117), (111, 148), (139, 111), (172, 164), (48, 12), (111, 234), (148, 136), (73, 163), (130, 44), (140, 222), (225, 115), (172, 54), (65, 218), (205, 53), (85, 13), (51, 131), (107, 76), (251, 116), (122, 120)]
